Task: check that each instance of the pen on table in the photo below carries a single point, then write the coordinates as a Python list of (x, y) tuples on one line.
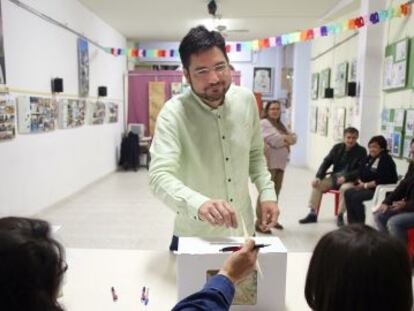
[(114, 295), (237, 248)]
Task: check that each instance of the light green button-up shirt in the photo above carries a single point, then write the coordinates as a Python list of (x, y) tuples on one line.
[(199, 153)]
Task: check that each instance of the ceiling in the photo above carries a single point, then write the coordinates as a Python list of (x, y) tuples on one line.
[(170, 20)]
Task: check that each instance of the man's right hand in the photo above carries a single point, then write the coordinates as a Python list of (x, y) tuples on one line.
[(218, 213), (241, 263), (316, 182)]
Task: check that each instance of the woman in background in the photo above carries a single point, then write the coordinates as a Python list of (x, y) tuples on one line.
[(277, 140), (378, 169)]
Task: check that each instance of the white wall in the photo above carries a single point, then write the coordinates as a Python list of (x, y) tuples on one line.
[(40, 169)]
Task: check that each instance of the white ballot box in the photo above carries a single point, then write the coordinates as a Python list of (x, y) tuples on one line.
[(198, 259)]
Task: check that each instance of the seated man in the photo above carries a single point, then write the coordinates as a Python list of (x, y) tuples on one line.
[(346, 158), (396, 213), (218, 292)]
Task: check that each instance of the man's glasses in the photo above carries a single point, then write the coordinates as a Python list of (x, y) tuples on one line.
[(203, 72)]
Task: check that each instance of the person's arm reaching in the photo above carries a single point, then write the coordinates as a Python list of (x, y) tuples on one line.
[(218, 293)]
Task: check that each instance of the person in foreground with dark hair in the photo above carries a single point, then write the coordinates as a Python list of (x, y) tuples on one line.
[(396, 212), (207, 143), (31, 266), (360, 269), (378, 168), (345, 158), (218, 292)]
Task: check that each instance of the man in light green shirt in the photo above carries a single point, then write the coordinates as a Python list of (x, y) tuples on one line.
[(207, 143)]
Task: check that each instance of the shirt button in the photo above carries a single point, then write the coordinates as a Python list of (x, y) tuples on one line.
[(219, 116), (195, 218), (229, 180), (224, 137), (231, 200), (227, 159)]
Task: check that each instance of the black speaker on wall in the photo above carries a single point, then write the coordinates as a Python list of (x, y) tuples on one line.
[(352, 89), (102, 91), (57, 85), (329, 92)]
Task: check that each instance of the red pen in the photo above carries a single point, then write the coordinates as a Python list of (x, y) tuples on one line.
[(237, 248), (114, 295)]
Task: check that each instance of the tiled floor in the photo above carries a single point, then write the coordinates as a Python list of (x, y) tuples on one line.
[(120, 212)]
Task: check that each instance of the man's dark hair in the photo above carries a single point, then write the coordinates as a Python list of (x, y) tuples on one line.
[(380, 140), (200, 39), (351, 130), (31, 265), (359, 268)]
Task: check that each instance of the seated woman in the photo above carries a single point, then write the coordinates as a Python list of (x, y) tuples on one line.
[(31, 266), (378, 168), (396, 213), (359, 268)]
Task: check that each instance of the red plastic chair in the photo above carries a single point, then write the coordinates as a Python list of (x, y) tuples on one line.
[(336, 194), (410, 243)]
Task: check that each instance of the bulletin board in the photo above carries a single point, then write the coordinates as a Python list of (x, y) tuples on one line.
[(396, 66), (393, 127)]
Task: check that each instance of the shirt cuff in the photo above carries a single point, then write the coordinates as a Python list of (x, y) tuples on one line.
[(268, 195), (194, 203), (222, 284)]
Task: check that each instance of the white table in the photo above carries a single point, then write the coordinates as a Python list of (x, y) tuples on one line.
[(92, 272)]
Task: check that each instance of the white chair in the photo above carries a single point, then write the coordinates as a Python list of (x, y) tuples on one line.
[(379, 195)]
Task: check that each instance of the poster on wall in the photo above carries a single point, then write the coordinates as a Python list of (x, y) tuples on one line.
[(324, 81), (341, 79), (7, 118), (83, 67), (2, 60), (96, 112), (36, 114), (71, 113), (353, 71), (263, 81), (339, 124), (156, 95), (315, 84), (313, 119), (323, 113), (395, 66), (112, 112)]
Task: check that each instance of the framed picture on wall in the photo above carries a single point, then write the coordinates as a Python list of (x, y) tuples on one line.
[(263, 81), (83, 67), (323, 115), (313, 119), (315, 84), (339, 124), (341, 79), (324, 81), (2, 61)]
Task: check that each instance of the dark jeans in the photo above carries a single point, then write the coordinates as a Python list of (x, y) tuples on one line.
[(355, 208), (396, 223)]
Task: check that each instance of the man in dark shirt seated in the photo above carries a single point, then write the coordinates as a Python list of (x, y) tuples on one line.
[(346, 158), (218, 292)]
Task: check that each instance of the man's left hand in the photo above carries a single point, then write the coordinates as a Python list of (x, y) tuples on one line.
[(270, 215)]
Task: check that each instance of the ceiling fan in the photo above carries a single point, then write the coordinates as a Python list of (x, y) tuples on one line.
[(218, 25)]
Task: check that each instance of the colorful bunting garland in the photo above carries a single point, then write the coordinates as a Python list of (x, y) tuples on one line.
[(285, 39)]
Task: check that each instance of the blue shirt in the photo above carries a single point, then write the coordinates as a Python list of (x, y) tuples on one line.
[(216, 295)]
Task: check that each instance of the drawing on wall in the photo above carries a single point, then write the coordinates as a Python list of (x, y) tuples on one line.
[(409, 123), (313, 119), (341, 79), (156, 96), (396, 143), (349, 116), (36, 114), (407, 149), (323, 114), (2, 60), (83, 67), (324, 81), (176, 88), (315, 84), (71, 113), (7, 118), (394, 122), (96, 112), (245, 291), (353, 71), (339, 124), (112, 112), (263, 80), (395, 65)]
